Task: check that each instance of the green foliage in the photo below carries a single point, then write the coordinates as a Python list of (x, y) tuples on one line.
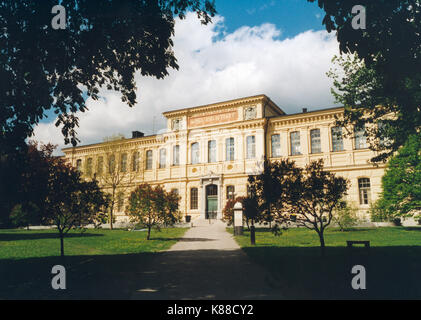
[(345, 216), (377, 212), (153, 206), (308, 194), (386, 67), (103, 45), (401, 195), (72, 202)]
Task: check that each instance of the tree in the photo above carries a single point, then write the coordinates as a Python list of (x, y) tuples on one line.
[(103, 44), (368, 103), (309, 194), (120, 170), (313, 197), (401, 183), (389, 54), (153, 206), (71, 201)]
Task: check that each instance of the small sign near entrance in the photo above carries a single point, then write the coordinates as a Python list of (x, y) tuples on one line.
[(238, 219)]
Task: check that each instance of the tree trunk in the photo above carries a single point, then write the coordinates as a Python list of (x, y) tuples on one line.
[(61, 243), (322, 242), (111, 210), (149, 233), (252, 233)]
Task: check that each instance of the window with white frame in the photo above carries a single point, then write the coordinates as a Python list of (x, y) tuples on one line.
[(316, 146), (149, 160), (337, 139), (230, 149), (195, 153), (276, 145), (211, 151), (251, 147), (162, 158), (364, 190), (295, 143), (176, 155), (360, 138)]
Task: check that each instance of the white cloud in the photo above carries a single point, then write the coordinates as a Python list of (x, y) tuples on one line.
[(216, 66)]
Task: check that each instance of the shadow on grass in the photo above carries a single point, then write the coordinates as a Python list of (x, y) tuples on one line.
[(36, 236), (295, 273), (303, 273)]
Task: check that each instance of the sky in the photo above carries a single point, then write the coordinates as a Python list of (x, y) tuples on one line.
[(278, 48)]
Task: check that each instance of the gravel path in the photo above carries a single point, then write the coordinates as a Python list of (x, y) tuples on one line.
[(206, 263)]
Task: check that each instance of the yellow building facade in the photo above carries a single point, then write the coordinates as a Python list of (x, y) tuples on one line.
[(207, 153)]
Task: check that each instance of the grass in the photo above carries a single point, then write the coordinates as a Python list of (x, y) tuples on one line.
[(99, 263), (393, 262)]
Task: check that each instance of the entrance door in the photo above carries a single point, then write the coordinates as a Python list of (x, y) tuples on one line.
[(211, 201)]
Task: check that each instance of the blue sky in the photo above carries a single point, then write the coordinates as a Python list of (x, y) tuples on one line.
[(291, 16)]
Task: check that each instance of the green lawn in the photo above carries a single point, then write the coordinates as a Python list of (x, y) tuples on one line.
[(393, 262), (99, 263)]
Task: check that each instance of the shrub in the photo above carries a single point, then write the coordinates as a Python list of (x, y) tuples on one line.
[(345, 216)]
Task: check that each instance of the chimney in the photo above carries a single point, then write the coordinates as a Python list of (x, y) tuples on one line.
[(137, 134), (304, 110)]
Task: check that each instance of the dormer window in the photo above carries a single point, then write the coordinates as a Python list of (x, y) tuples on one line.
[(176, 124)]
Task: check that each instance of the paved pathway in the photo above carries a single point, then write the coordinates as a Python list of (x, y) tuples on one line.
[(206, 263)]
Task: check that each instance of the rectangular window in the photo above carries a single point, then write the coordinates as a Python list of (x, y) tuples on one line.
[(230, 192), (195, 155), (193, 198), (229, 152), (360, 138), (100, 165), (135, 161), (162, 158), (120, 201), (123, 163), (111, 164), (295, 143), (364, 190), (176, 155), (276, 145), (212, 151), (89, 167), (251, 147), (316, 146), (79, 165), (337, 139), (149, 160)]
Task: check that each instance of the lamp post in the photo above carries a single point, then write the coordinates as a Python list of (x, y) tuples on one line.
[(238, 219)]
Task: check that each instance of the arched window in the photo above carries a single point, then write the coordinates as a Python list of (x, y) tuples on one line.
[(364, 190), (194, 197), (149, 160)]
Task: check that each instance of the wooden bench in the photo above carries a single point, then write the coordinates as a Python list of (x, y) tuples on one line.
[(365, 243)]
